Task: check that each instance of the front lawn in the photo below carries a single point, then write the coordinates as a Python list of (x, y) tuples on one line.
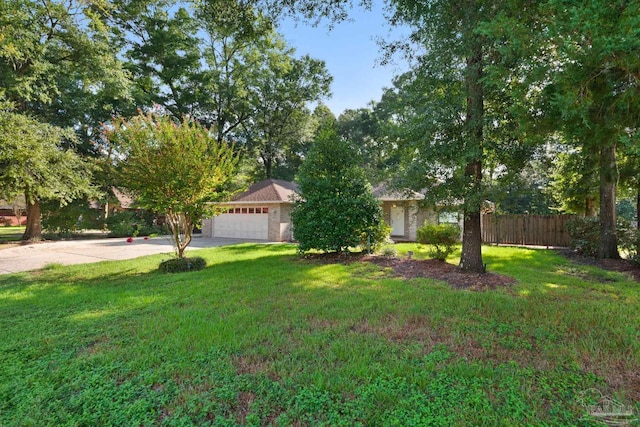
[(261, 337), (11, 234)]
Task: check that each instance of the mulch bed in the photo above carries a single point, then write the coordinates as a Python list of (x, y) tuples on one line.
[(620, 265), (412, 268)]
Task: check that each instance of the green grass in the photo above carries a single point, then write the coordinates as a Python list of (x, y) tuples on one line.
[(11, 234), (260, 337)]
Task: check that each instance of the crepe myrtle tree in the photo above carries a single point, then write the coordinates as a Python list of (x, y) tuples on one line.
[(176, 169)]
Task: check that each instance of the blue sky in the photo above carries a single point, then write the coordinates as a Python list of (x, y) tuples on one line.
[(351, 54)]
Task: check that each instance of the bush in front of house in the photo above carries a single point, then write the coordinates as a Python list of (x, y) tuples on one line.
[(337, 209), (442, 237), (179, 265)]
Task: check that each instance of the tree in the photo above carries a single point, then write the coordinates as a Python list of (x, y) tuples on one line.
[(58, 63), (594, 83), (337, 209), (35, 161), (456, 111), (179, 170), (281, 118)]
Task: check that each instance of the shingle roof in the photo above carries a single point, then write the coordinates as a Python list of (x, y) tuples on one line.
[(270, 190), (382, 192)]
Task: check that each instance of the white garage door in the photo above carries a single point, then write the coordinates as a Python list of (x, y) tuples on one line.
[(243, 223)]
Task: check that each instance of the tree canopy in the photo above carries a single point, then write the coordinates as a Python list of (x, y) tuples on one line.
[(178, 170), (35, 161)]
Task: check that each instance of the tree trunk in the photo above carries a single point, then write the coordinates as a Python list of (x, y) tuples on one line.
[(608, 181), (471, 257), (33, 232), (181, 227), (638, 209)]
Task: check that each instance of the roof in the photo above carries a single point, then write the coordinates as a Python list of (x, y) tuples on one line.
[(268, 191), (385, 194)]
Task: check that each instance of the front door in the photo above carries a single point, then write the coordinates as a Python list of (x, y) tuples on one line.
[(397, 221)]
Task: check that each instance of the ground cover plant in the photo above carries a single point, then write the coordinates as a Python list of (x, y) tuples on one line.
[(262, 337)]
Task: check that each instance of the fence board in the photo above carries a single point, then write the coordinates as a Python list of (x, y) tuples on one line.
[(538, 230)]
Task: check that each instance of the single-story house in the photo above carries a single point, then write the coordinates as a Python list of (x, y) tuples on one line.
[(263, 212)]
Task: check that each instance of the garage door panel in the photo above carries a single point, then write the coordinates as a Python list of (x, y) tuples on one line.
[(241, 226)]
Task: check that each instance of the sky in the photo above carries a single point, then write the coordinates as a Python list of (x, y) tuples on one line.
[(351, 54)]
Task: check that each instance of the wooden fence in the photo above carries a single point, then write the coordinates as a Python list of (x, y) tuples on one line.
[(538, 230)]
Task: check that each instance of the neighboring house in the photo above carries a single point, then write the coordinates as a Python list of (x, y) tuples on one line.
[(122, 202), (8, 212), (263, 212)]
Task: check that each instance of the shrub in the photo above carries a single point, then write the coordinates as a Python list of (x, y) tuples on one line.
[(629, 240), (337, 209), (389, 251), (375, 236), (584, 233), (585, 237), (441, 237), (124, 224), (179, 265), (69, 219)]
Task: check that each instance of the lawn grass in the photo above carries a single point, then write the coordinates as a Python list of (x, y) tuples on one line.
[(262, 338), (11, 234)]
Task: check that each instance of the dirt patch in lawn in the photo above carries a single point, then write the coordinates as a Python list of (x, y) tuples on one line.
[(620, 265), (412, 268)]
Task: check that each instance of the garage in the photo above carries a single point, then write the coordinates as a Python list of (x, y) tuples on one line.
[(251, 222)]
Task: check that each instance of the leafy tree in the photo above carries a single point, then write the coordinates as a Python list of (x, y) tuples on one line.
[(34, 161), (593, 83), (180, 171), (280, 117), (458, 114), (337, 209), (58, 63)]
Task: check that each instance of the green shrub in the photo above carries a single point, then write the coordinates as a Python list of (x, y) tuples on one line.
[(584, 233), (585, 237), (69, 219), (375, 236), (179, 265), (629, 240), (337, 209), (441, 237), (389, 251), (125, 224)]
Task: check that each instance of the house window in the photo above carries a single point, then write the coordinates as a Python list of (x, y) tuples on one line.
[(265, 210)]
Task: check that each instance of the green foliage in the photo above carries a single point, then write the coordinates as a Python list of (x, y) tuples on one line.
[(177, 170), (180, 265), (585, 235), (337, 209), (35, 161), (442, 237), (71, 218), (131, 224), (629, 240), (58, 63), (389, 251)]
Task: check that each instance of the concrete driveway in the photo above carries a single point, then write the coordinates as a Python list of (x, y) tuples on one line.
[(34, 256)]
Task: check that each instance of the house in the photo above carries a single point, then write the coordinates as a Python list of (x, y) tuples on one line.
[(403, 212), (263, 212)]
